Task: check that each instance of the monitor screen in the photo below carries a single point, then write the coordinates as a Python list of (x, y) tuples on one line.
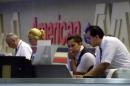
[(52, 71), (11, 59), (43, 53), (15, 67)]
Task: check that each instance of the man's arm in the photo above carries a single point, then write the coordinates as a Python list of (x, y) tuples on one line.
[(98, 70), (72, 61), (73, 65)]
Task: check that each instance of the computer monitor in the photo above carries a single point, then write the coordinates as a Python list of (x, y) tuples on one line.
[(52, 71), (15, 67), (43, 53)]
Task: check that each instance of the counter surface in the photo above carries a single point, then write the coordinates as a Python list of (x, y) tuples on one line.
[(65, 80)]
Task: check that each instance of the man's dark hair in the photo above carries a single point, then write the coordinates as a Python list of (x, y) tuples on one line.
[(76, 38), (95, 30)]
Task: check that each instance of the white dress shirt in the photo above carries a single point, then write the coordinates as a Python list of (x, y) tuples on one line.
[(24, 49), (113, 52), (87, 60)]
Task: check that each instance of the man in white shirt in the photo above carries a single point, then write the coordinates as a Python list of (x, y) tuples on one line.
[(111, 52), (21, 47), (80, 61)]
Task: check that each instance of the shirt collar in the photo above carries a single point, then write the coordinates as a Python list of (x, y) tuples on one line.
[(102, 42), (81, 48), (19, 44)]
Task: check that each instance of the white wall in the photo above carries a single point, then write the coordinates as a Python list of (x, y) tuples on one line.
[(48, 10)]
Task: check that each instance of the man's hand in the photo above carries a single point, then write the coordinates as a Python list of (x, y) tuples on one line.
[(71, 55)]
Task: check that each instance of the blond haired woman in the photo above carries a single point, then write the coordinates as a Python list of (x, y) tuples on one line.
[(34, 35)]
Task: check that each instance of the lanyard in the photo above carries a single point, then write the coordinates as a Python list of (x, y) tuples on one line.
[(100, 53)]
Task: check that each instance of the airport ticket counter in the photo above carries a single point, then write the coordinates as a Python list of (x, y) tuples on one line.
[(63, 82), (19, 72)]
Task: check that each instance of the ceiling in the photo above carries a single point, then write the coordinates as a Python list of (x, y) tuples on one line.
[(5, 1)]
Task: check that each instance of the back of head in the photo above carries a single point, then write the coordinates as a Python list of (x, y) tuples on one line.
[(95, 30), (12, 40), (36, 34), (11, 36), (76, 38)]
